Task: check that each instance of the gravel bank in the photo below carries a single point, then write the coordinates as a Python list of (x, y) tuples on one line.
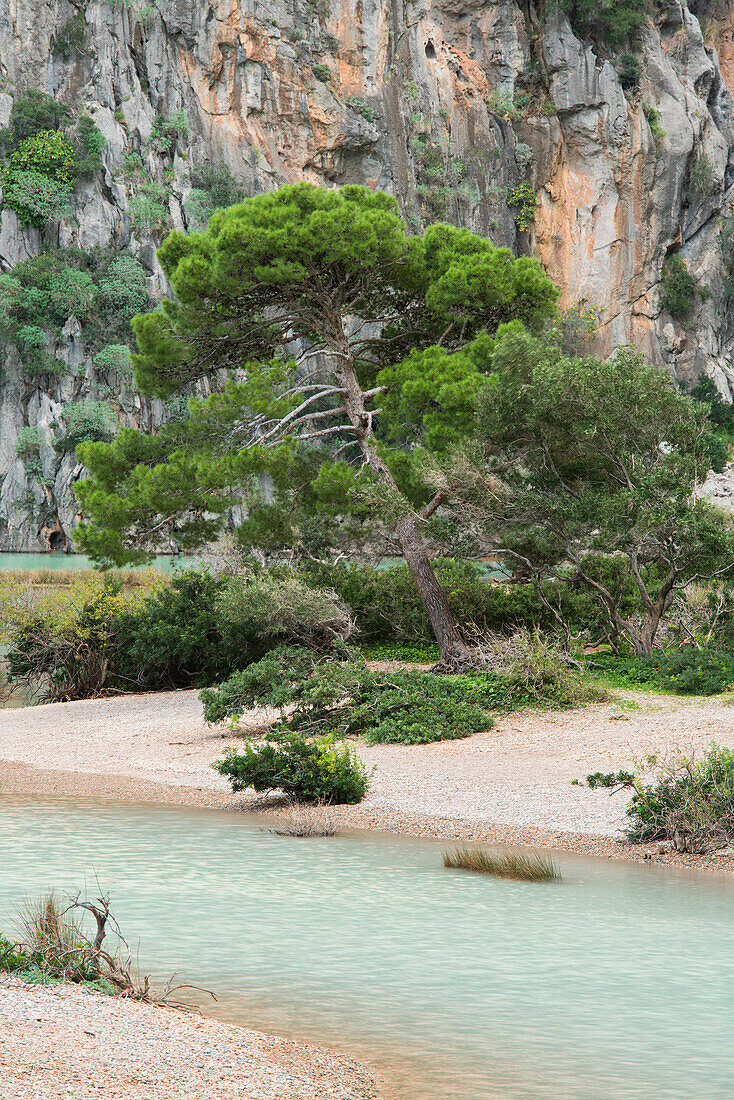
[(64, 1041), (511, 784)]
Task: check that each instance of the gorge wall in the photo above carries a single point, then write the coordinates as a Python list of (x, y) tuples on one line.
[(495, 116)]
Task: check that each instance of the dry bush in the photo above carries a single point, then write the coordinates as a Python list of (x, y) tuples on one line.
[(538, 663), (306, 820), (524, 866)]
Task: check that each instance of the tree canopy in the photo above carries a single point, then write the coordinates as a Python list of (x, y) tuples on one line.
[(344, 354)]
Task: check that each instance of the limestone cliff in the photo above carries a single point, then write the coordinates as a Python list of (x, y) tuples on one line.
[(448, 104)]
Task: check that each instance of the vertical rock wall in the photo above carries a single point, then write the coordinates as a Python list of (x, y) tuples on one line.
[(445, 103)]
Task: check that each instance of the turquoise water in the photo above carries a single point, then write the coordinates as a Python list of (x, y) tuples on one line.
[(165, 562), (617, 984)]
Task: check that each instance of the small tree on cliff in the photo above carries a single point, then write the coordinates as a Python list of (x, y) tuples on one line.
[(589, 469), (322, 299)]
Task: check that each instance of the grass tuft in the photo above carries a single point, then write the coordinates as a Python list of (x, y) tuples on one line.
[(524, 866)]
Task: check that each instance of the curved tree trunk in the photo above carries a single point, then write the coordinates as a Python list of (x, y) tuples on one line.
[(455, 654)]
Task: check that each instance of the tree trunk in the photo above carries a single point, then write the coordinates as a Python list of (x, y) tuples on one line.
[(454, 654)]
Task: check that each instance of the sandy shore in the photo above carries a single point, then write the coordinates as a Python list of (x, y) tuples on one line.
[(64, 1041), (509, 785)]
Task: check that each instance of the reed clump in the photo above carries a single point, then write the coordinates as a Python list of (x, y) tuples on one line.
[(522, 866)]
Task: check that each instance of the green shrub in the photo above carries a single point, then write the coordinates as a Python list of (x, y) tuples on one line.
[(679, 290), (687, 671), (653, 120), (687, 802), (148, 208), (702, 176), (316, 693), (166, 131), (322, 72), (613, 22), (48, 152), (360, 107), (124, 288), (72, 292), (117, 359), (317, 770), (32, 112), (13, 956), (36, 199), (629, 71), (218, 183), (89, 141), (84, 421), (28, 449)]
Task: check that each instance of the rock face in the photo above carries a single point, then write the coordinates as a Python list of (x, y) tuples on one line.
[(448, 104)]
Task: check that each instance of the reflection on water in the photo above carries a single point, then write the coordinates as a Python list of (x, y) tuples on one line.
[(616, 985)]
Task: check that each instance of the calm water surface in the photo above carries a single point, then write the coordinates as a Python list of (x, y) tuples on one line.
[(616, 984), (164, 562)]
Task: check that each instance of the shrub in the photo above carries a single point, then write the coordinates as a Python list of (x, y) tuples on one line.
[(525, 867), (653, 120), (71, 38), (611, 21), (322, 72), (74, 292), (629, 71), (148, 208), (679, 290), (360, 107), (522, 198), (219, 185), (28, 449), (702, 176), (166, 131), (124, 287), (281, 605), (84, 421), (89, 141), (687, 671), (318, 770), (115, 358), (316, 693), (48, 152), (35, 198), (687, 802), (32, 112)]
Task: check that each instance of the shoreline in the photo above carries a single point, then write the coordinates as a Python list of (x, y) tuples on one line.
[(26, 781)]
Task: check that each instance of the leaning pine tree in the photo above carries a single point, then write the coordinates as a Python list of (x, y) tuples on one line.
[(329, 318)]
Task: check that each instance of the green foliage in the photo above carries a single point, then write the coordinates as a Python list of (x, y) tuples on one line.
[(503, 102), (71, 38), (587, 480), (102, 288), (167, 130), (86, 420), (117, 359), (688, 802), (687, 671), (36, 198), (629, 71), (609, 780), (72, 292), (322, 72), (219, 184), (612, 22), (319, 770), (148, 207), (679, 290), (31, 113), (522, 197), (360, 107), (28, 449), (702, 176), (286, 250), (89, 142), (13, 956), (653, 119)]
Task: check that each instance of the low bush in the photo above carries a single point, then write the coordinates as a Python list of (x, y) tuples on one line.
[(688, 802), (313, 770), (687, 671), (83, 421), (679, 290), (525, 867)]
